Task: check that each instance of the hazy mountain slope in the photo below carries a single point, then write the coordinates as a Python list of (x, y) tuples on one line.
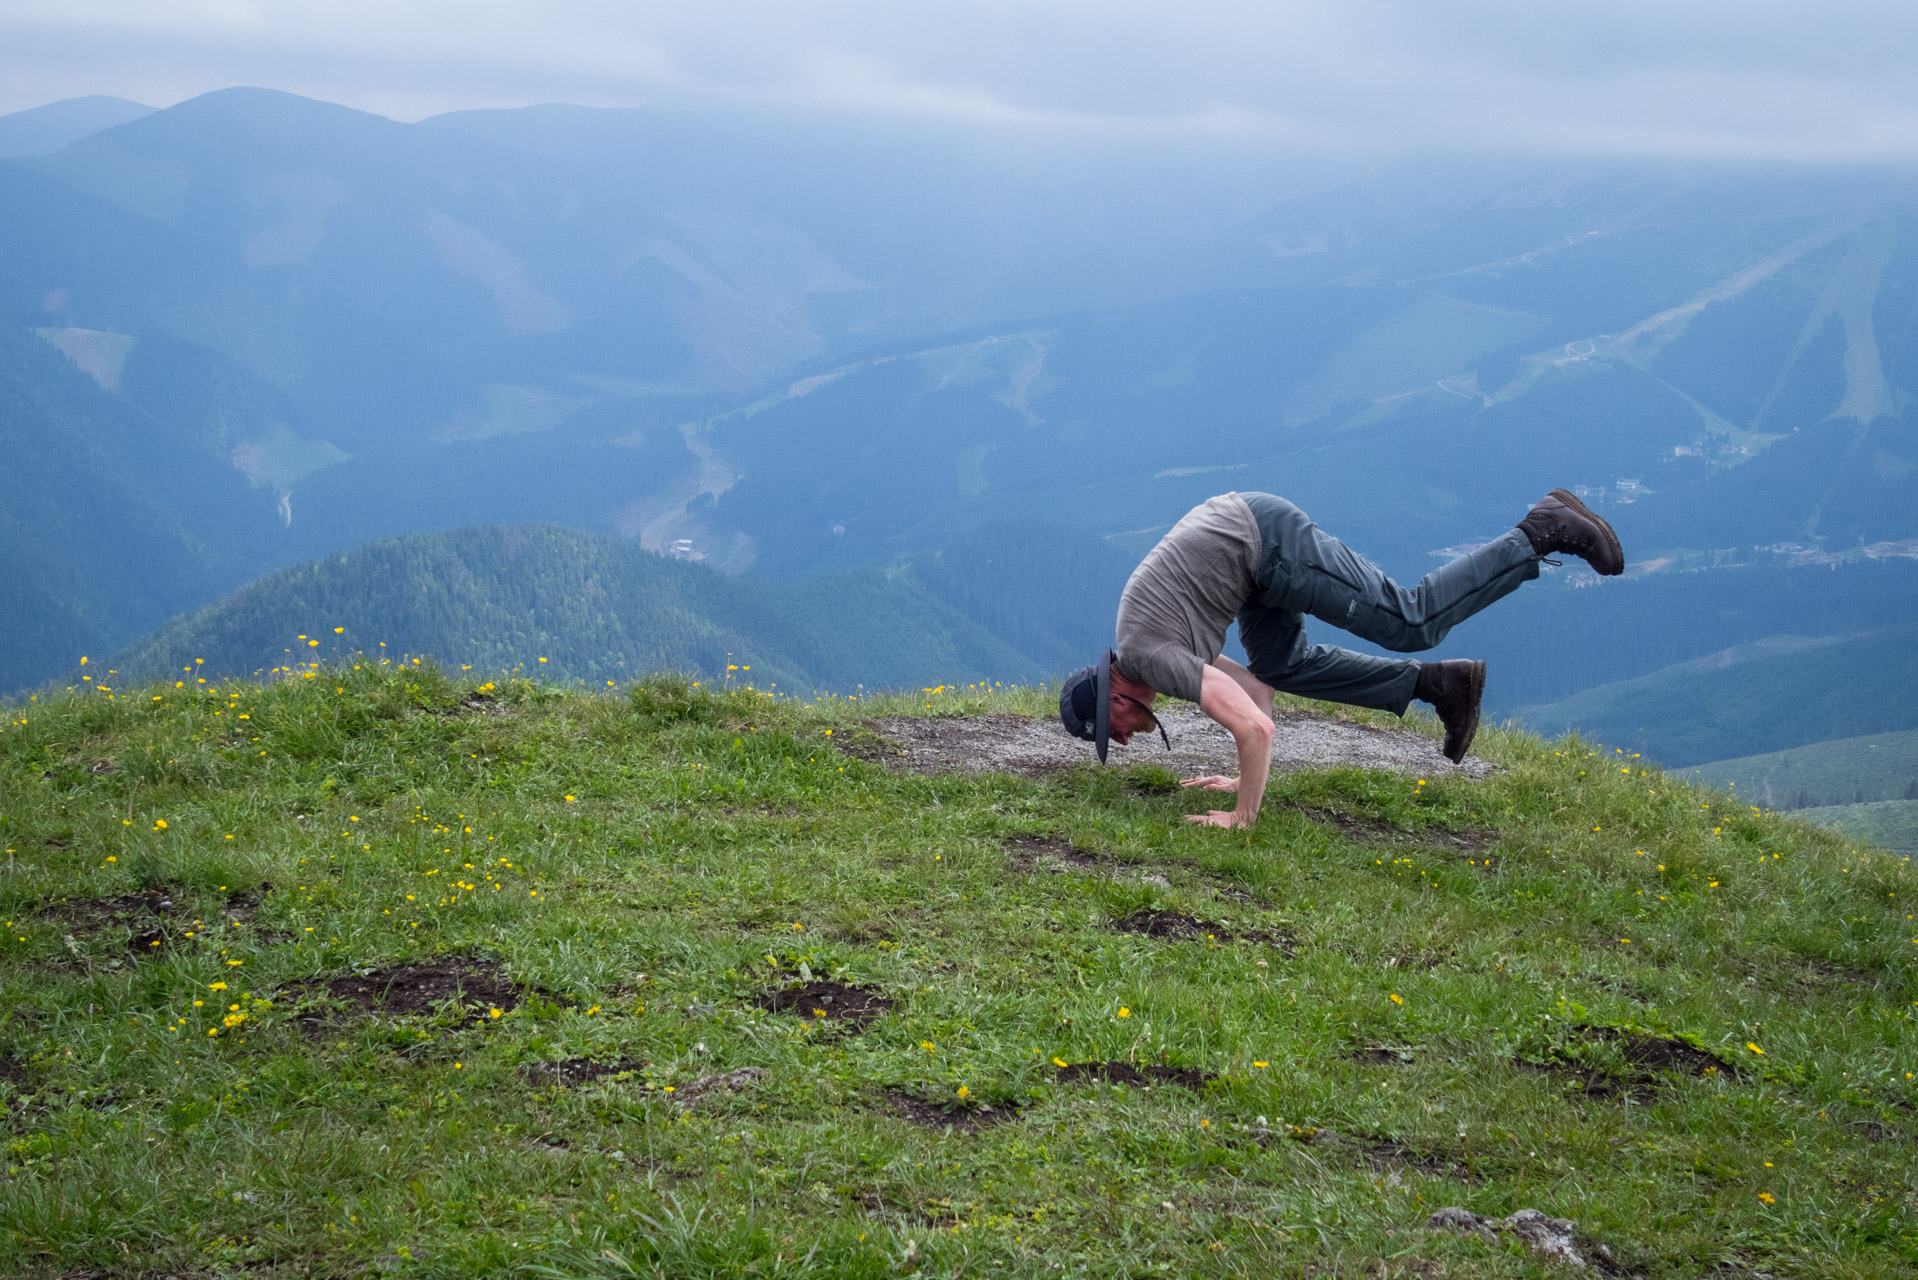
[(1544, 642), (1409, 413), (109, 521), (1886, 824), (1049, 592), (941, 225), (40, 131), (1879, 766), (1771, 695), (595, 607)]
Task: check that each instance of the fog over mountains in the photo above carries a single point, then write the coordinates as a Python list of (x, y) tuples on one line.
[(254, 329)]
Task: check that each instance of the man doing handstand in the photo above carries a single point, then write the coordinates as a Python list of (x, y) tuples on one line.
[(1257, 558)]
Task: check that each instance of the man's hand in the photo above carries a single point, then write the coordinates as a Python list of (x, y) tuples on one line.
[(1216, 782), (1226, 699), (1219, 818)]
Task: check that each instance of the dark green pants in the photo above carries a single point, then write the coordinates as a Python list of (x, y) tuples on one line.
[(1306, 571)]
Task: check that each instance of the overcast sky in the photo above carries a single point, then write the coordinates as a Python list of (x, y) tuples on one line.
[(1833, 80)]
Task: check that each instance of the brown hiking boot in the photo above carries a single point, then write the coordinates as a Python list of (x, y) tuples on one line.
[(1454, 689), (1561, 522)]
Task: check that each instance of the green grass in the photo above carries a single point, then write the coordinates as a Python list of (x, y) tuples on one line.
[(668, 853), (1889, 824)]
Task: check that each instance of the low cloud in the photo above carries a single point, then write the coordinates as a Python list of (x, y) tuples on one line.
[(1802, 82)]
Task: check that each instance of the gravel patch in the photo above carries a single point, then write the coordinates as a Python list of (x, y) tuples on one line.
[(1034, 747)]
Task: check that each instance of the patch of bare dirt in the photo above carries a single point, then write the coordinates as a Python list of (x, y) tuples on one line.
[(1611, 1062), (1383, 1055), (1172, 924), (1873, 1131), (150, 943), (408, 989), (241, 907), (1126, 1073), (1659, 1053), (57, 843), (101, 768), (87, 914), (1027, 854), (1036, 747), (1179, 927), (146, 914), (846, 1004), (962, 1117)]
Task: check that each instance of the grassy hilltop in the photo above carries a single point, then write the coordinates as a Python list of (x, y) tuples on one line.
[(380, 969)]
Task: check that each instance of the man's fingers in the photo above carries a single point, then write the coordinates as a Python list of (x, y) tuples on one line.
[(1216, 818), (1216, 782)]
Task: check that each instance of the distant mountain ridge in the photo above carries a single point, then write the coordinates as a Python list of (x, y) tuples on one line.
[(40, 131)]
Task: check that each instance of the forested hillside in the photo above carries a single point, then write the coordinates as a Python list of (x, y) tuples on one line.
[(112, 517), (1785, 691), (585, 606), (1879, 766)]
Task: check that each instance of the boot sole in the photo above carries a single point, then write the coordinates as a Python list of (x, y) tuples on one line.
[(1611, 539), (1471, 725)]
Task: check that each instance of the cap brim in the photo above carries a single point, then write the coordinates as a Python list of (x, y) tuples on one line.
[(1102, 708)]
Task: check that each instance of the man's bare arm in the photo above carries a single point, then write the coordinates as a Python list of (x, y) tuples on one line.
[(1226, 701), (1260, 692), (1261, 695)]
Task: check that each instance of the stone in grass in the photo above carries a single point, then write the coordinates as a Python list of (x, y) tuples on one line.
[(1549, 1236)]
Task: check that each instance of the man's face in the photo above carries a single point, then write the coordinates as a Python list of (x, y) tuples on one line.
[(1129, 716)]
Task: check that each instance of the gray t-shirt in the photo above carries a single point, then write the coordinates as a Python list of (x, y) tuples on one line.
[(1182, 598)]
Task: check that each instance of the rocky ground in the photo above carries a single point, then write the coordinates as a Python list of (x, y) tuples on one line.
[(1033, 747)]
